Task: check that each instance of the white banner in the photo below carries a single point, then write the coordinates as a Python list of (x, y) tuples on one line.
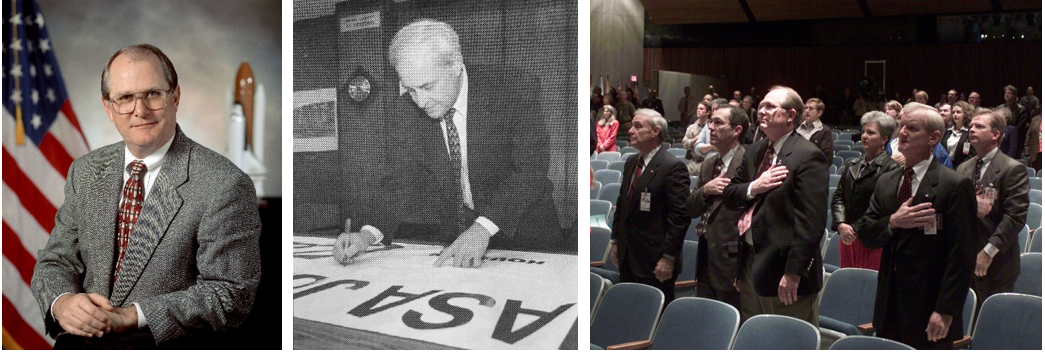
[(517, 300)]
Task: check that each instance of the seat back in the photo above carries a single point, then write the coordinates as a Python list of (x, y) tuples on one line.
[(849, 295), (599, 207), (1034, 216), (600, 244), (617, 166), (1023, 238), (596, 286), (1008, 321), (610, 192), (1029, 281), (627, 313), (833, 181), (1035, 183), (677, 152), (693, 323), (689, 267), (599, 164), (608, 176), (627, 149), (837, 161), (691, 231), (969, 312), (868, 343), (848, 154), (765, 332), (608, 156), (594, 193), (1035, 196), (1035, 241), (833, 257)]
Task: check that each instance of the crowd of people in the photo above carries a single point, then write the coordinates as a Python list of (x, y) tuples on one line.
[(935, 201)]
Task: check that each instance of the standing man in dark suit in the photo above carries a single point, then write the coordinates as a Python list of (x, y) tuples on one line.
[(921, 216), (718, 248), (474, 174), (781, 187), (1019, 119), (1001, 198), (156, 244), (816, 131), (649, 224)]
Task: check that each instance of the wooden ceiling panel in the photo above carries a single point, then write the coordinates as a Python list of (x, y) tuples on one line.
[(1010, 5), (674, 12), (923, 7), (775, 10)]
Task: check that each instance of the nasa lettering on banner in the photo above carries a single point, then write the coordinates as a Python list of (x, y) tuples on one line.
[(515, 301)]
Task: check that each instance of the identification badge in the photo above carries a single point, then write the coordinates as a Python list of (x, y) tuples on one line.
[(644, 201), (990, 192), (965, 148), (931, 228)]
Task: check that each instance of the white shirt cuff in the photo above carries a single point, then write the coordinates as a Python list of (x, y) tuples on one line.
[(489, 225), (142, 323), (990, 249), (748, 195), (52, 304), (374, 231)]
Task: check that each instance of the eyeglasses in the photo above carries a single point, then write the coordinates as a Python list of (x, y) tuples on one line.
[(768, 106), (152, 99)]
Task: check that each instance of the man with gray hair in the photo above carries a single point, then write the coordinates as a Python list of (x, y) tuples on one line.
[(649, 224), (920, 216), (474, 176), (781, 190)]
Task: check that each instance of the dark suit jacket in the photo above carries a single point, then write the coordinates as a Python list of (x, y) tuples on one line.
[(507, 170), (853, 195), (1009, 144), (1001, 227), (823, 141), (788, 221), (1032, 143), (931, 272), (643, 237), (193, 261), (717, 250), (959, 154)]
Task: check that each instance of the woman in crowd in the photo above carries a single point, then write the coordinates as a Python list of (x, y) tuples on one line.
[(893, 108), (853, 195), (956, 139), (607, 129)]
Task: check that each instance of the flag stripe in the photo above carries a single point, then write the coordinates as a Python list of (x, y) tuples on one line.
[(31, 161), (20, 297), (67, 111), (25, 335), (69, 135), (17, 255), (33, 237), (26, 190), (56, 154)]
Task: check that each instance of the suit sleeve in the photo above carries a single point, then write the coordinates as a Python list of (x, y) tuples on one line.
[(695, 203), (827, 144), (59, 267), (811, 183), (961, 212), (229, 265), (1016, 185), (838, 200), (873, 228), (677, 189), (734, 196)]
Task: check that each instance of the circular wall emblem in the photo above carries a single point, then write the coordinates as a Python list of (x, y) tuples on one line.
[(359, 88)]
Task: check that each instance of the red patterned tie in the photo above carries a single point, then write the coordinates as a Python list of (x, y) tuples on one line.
[(638, 172), (130, 208), (767, 161)]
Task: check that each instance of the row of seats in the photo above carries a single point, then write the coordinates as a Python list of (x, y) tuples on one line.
[(629, 316)]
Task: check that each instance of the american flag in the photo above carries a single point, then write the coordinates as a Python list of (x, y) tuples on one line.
[(41, 139)]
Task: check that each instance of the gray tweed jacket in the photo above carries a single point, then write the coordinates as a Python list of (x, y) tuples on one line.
[(193, 262)]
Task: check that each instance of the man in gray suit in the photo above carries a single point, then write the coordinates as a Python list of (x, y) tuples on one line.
[(165, 269)]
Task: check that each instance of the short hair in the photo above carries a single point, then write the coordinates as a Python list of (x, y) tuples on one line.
[(933, 119), (896, 106), (1011, 88), (1004, 111), (656, 119), (137, 52), (424, 38), (707, 106), (720, 101), (886, 124), (995, 119), (923, 94), (967, 112), (818, 102), (737, 116), (791, 101)]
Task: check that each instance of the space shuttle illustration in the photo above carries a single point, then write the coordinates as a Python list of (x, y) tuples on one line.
[(246, 126)]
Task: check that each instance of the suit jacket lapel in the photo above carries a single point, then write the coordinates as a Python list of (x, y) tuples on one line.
[(157, 213), (926, 193), (644, 179), (991, 175), (731, 170), (100, 236)]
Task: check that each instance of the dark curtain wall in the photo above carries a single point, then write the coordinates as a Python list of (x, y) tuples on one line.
[(985, 68)]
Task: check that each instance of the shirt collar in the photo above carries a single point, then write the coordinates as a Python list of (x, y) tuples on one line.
[(990, 155), (816, 125), (728, 156), (461, 106), (920, 169), (780, 143), (646, 159), (152, 162)]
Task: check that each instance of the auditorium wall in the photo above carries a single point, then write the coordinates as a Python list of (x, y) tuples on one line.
[(616, 40)]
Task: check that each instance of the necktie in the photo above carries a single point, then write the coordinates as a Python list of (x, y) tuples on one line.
[(976, 175), (130, 208), (702, 226), (905, 185), (453, 140), (638, 172), (767, 161)]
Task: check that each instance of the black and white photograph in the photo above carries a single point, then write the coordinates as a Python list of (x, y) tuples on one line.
[(435, 175)]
